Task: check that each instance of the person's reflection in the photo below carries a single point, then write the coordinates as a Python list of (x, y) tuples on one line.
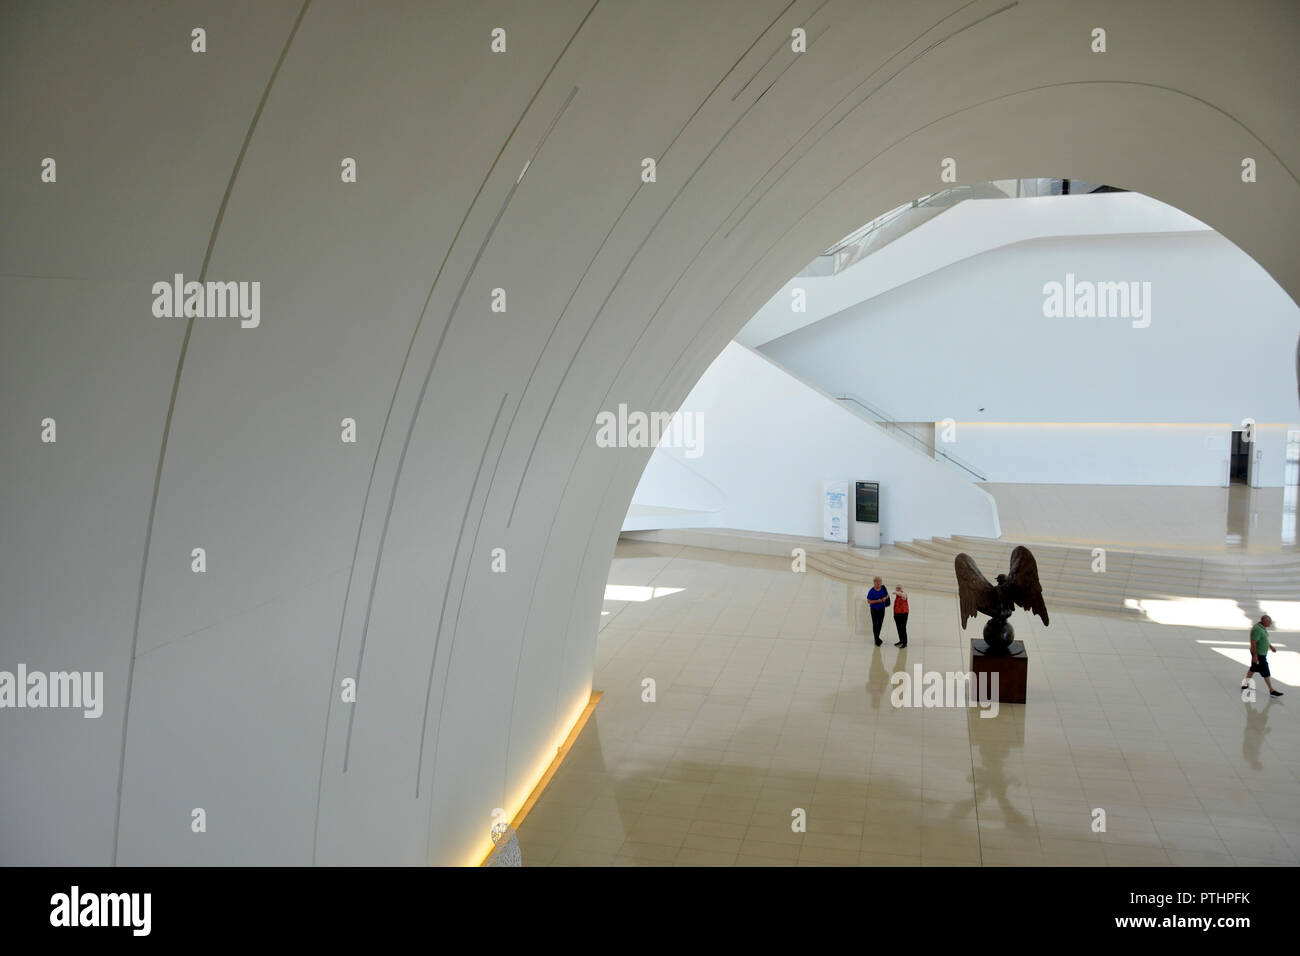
[(877, 678), (1252, 735)]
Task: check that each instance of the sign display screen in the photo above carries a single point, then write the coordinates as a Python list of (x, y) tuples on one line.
[(868, 502)]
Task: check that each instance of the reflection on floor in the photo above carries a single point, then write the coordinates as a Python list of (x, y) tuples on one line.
[(769, 698), (1145, 517)]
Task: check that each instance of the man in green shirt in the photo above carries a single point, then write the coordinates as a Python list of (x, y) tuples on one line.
[(1258, 655)]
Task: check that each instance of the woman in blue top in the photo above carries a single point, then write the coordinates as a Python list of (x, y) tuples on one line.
[(877, 600)]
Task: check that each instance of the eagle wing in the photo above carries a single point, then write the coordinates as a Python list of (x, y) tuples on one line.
[(974, 593), (1022, 583)]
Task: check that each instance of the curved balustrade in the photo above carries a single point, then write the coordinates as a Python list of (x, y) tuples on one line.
[(896, 429), (901, 220)]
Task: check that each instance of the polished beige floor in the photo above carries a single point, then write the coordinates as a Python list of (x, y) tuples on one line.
[(769, 697)]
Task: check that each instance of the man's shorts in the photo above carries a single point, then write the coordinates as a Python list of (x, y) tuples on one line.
[(1260, 667)]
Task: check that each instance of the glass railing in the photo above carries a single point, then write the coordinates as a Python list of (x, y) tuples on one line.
[(899, 430)]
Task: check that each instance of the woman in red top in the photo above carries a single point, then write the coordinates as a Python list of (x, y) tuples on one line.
[(900, 615)]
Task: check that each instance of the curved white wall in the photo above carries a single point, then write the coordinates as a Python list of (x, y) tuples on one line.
[(967, 229), (1156, 401), (476, 428), (770, 441)]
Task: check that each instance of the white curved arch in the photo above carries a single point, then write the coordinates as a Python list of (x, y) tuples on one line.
[(476, 171)]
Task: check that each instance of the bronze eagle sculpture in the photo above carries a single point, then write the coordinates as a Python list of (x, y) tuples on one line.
[(1020, 586)]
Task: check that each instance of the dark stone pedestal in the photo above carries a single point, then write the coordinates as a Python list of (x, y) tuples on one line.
[(1012, 669)]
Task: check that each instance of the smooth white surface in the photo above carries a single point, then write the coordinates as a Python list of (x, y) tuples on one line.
[(618, 291), (672, 482), (866, 534), (1116, 454), (773, 438), (967, 229), (1219, 349), (1148, 518)]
